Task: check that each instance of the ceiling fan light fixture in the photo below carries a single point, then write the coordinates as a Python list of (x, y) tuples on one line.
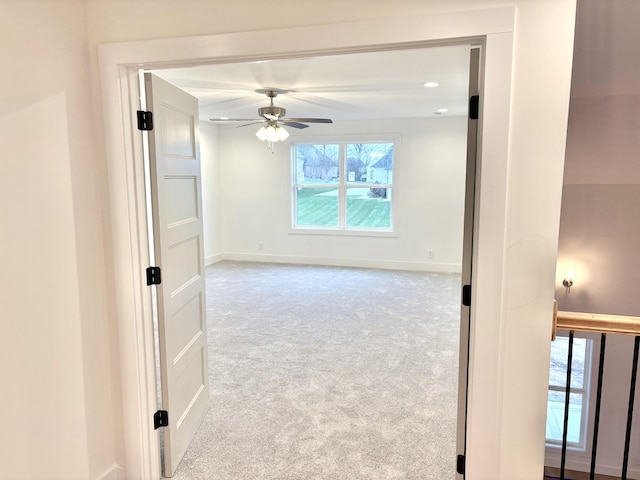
[(272, 133), (282, 133), (262, 134)]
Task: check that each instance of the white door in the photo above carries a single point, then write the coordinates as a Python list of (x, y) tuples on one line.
[(179, 251)]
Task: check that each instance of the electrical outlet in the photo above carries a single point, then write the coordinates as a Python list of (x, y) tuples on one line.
[(260, 246), (430, 254)]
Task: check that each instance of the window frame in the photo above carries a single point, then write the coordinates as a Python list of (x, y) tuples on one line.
[(585, 391), (343, 185)]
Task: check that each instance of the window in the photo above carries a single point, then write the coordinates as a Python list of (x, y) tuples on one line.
[(343, 186), (578, 395)]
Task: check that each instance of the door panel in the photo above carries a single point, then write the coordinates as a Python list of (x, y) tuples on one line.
[(178, 244)]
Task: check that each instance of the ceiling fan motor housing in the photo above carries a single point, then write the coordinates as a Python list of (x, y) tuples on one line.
[(273, 111)]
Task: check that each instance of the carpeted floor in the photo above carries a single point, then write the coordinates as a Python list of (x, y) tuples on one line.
[(328, 373)]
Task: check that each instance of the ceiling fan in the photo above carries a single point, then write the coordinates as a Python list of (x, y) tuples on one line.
[(274, 118)]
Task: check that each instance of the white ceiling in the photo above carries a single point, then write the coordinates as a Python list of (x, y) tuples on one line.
[(373, 85), (390, 84)]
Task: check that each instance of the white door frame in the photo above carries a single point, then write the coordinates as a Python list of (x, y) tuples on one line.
[(119, 83)]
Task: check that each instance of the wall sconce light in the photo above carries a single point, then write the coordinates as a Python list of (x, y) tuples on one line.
[(568, 282)]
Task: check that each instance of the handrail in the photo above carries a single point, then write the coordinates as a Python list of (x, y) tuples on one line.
[(603, 324), (595, 322)]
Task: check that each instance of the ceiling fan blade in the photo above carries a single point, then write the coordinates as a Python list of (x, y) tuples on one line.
[(251, 123), (235, 120), (289, 123), (307, 120)]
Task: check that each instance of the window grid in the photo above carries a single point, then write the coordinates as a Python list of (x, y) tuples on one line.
[(344, 182)]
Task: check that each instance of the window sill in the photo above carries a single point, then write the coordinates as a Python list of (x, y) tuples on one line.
[(343, 233), (570, 448)]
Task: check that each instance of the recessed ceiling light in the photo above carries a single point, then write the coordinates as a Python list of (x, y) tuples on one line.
[(224, 118), (441, 111), (431, 84)]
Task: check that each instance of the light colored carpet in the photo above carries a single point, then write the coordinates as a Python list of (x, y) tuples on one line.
[(328, 373)]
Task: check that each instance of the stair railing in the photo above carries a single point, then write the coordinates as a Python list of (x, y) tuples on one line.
[(603, 324)]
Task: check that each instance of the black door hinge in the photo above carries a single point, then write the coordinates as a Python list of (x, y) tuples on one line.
[(145, 120), (466, 295), (460, 464), (474, 107), (160, 419), (153, 276)]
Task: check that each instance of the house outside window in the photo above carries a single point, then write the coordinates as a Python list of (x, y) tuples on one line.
[(578, 395), (343, 186)]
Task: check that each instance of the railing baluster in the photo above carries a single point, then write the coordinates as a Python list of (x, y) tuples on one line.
[(594, 449), (603, 324), (632, 392), (565, 428)]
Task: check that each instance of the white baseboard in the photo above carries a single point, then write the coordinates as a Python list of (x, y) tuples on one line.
[(116, 472), (211, 259), (345, 262)]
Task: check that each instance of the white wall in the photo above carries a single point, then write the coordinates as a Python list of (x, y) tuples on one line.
[(599, 238), (212, 200), (599, 227), (59, 401), (428, 197)]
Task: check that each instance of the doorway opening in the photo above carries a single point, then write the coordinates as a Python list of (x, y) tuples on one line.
[(460, 199), (119, 63)]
